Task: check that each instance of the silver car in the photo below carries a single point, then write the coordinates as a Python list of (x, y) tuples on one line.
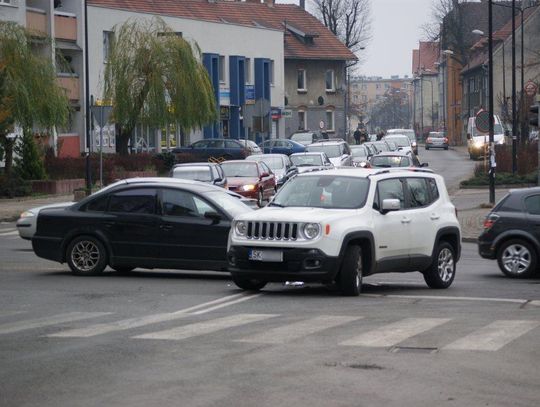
[(338, 151), (436, 139), (27, 222)]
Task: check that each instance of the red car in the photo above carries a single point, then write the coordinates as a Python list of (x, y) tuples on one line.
[(252, 179)]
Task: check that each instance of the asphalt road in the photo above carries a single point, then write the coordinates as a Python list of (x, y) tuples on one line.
[(193, 339)]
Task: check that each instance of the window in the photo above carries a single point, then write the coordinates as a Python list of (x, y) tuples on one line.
[(432, 185), (97, 205), (391, 189), (6, 1), (302, 120), (178, 203), (418, 192), (302, 80), (221, 68), (364, 87), (330, 81), (271, 69), (134, 201), (364, 98), (108, 42), (247, 70), (355, 98), (329, 120), (387, 86), (532, 204), (377, 86)]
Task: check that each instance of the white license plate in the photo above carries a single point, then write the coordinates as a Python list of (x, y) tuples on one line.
[(266, 255)]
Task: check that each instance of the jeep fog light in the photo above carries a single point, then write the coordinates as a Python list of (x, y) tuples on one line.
[(311, 230), (241, 228)]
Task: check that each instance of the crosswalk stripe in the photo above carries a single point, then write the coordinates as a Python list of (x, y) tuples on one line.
[(395, 333), (290, 332), (130, 323), (46, 321), (203, 328), (494, 336), (10, 233)]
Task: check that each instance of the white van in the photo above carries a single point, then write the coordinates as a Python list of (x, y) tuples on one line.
[(478, 142)]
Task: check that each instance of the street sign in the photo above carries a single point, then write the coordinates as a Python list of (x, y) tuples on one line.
[(482, 121), (321, 125), (101, 114), (531, 88), (286, 113)]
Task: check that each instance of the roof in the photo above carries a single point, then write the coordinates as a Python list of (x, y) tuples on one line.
[(425, 58), (305, 37)]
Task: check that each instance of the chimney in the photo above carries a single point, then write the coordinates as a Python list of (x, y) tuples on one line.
[(303, 4), (269, 3)]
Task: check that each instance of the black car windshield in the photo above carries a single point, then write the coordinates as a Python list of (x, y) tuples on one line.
[(323, 191), (307, 160), (243, 169), (401, 141), (275, 163), (233, 206), (359, 151), (193, 173), (331, 150)]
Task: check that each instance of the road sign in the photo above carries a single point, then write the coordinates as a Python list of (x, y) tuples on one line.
[(482, 121), (101, 114), (321, 124), (531, 88)]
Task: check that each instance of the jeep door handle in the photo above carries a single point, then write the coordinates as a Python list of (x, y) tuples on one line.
[(434, 216), (406, 220)]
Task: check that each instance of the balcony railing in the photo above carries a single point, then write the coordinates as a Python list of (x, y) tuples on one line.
[(36, 21), (65, 26), (71, 84)]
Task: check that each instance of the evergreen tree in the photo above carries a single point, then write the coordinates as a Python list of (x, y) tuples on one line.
[(29, 163)]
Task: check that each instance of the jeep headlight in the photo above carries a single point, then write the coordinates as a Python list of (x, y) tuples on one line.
[(241, 228), (311, 230)]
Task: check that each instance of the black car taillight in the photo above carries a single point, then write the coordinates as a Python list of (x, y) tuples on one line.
[(490, 220)]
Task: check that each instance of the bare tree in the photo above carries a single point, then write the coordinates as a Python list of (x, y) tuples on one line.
[(349, 20)]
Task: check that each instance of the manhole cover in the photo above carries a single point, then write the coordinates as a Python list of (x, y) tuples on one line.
[(412, 349)]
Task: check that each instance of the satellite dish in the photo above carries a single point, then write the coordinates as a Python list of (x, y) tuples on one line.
[(320, 100)]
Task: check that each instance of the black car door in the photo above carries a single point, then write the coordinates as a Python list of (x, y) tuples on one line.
[(189, 238), (132, 223), (532, 207)]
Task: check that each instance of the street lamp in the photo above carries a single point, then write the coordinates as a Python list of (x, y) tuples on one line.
[(491, 107), (450, 118)]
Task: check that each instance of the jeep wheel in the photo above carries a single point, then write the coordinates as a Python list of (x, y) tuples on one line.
[(517, 259), (442, 271), (86, 256), (350, 275), (248, 284)]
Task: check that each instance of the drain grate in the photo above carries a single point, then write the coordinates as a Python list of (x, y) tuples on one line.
[(412, 349)]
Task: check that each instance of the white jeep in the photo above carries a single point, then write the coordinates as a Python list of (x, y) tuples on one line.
[(340, 225)]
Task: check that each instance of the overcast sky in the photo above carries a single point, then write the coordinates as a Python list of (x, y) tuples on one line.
[(396, 30)]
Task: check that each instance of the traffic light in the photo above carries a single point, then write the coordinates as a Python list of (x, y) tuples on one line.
[(533, 115)]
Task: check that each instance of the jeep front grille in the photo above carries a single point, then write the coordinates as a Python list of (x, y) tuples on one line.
[(272, 230)]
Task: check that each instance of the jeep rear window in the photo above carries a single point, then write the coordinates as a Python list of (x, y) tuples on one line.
[(324, 191)]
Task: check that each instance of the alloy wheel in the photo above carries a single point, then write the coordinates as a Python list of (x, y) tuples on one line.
[(516, 259), (445, 264), (85, 255)]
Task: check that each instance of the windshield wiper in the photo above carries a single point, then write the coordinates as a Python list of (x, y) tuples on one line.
[(276, 204)]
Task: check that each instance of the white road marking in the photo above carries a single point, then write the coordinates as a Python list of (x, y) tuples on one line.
[(441, 297), (10, 313), (46, 321), (9, 233), (203, 328), (290, 332), (394, 333), (130, 323), (494, 336)]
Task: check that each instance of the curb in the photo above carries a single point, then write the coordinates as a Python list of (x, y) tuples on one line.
[(469, 239)]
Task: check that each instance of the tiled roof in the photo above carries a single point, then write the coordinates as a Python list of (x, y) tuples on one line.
[(325, 44), (425, 58)]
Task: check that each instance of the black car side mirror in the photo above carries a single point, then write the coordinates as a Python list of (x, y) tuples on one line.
[(214, 216)]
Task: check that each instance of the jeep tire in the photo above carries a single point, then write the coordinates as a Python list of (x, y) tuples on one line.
[(350, 276), (248, 284), (442, 271)]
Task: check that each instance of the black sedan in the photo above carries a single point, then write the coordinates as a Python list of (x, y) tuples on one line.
[(164, 223)]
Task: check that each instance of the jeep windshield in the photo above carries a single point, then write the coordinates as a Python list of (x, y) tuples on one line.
[(323, 191), (331, 150)]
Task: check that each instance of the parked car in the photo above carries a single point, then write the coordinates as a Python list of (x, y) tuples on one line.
[(395, 159), (391, 145), (360, 154), (26, 224), (436, 139), (511, 234), (379, 146), (219, 149), (403, 142), (204, 172), (338, 151), (164, 223), (311, 161), (409, 133), (280, 164), (308, 137), (282, 146), (252, 179), (478, 142), (338, 226)]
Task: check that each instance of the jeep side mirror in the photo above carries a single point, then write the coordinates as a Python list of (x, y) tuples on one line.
[(390, 205)]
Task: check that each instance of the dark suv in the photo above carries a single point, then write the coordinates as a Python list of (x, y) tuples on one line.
[(512, 233)]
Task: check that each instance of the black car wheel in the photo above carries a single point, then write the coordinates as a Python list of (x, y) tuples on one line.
[(248, 284), (350, 275), (517, 259), (260, 198), (442, 271), (86, 255)]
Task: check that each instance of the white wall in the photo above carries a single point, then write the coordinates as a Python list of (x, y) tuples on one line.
[(220, 38)]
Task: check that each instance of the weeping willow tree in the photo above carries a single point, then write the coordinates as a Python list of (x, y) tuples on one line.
[(154, 77), (29, 93)]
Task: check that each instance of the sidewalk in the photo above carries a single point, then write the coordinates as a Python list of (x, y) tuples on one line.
[(10, 209)]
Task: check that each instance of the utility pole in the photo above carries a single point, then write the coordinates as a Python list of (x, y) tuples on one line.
[(514, 120), (491, 106)]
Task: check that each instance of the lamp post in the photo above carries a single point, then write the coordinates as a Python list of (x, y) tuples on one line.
[(450, 117), (491, 107), (87, 104)]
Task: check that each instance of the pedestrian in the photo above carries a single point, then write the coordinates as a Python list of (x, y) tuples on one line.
[(380, 135), (357, 135)]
